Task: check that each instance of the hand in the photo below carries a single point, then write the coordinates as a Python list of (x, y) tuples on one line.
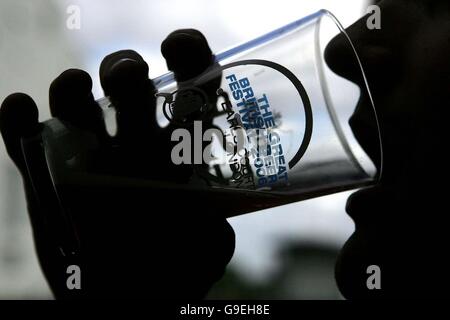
[(135, 240)]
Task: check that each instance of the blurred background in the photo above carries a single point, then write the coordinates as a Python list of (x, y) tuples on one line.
[(282, 253)]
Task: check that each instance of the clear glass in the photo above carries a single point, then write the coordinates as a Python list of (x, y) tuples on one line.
[(276, 101), (270, 113)]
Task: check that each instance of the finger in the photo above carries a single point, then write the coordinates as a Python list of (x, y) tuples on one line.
[(71, 100), (187, 53), (18, 118), (124, 78)]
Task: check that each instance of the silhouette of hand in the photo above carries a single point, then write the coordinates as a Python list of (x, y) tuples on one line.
[(134, 237)]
